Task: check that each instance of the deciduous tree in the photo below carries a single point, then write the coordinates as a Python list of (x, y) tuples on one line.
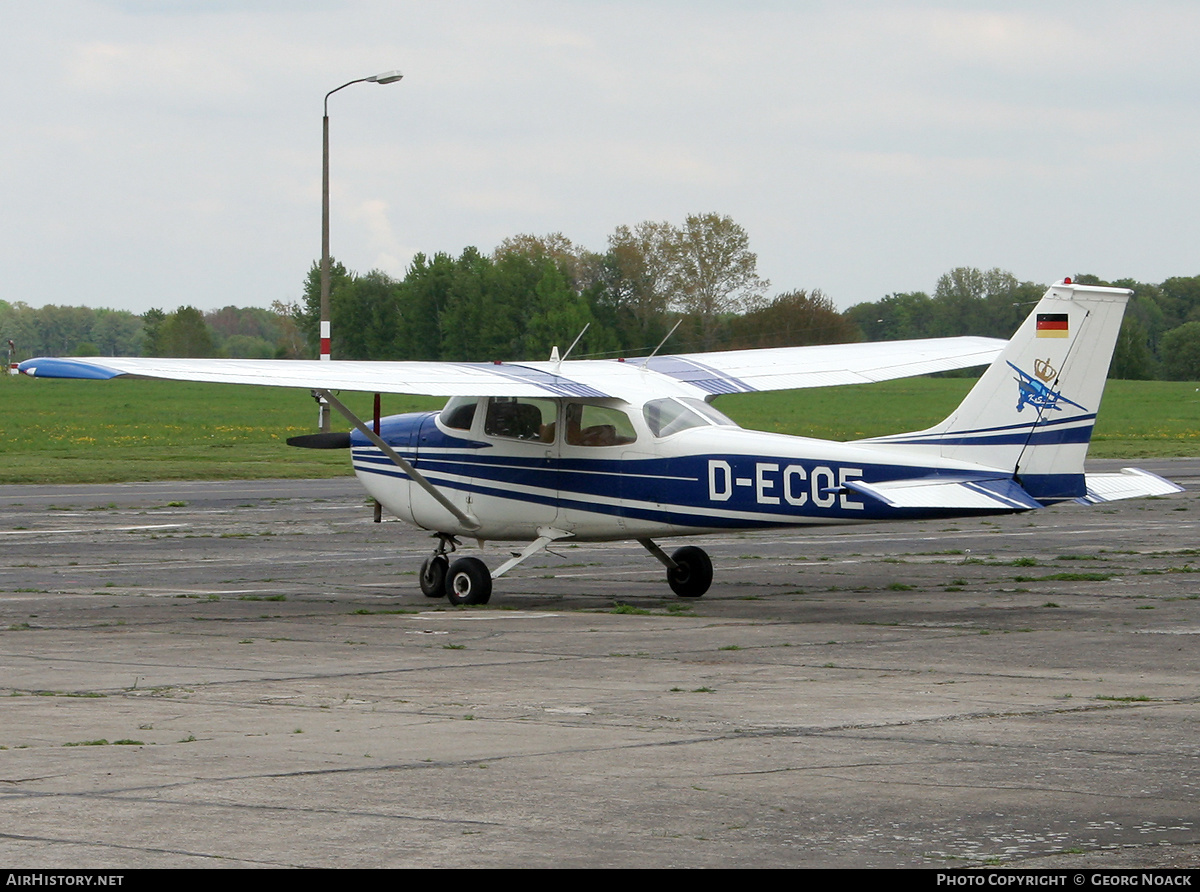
[(185, 333), (712, 271), (794, 319), (310, 319), (1180, 349)]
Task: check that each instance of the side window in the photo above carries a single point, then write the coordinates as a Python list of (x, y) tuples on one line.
[(520, 418), (459, 413), (598, 426)]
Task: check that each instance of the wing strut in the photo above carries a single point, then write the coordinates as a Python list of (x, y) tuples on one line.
[(416, 476)]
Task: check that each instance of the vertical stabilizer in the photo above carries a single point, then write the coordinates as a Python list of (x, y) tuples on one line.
[(1031, 413)]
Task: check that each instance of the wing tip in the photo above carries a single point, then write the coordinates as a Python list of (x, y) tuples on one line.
[(59, 367)]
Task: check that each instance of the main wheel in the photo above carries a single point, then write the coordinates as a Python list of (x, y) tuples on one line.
[(468, 582), (693, 572), (433, 576)]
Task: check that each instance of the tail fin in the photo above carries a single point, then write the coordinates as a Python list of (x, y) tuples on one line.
[(1031, 413)]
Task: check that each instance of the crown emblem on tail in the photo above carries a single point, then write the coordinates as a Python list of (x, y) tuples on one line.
[(1031, 392)]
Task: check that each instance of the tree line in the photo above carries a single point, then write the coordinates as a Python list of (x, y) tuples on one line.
[(236, 332), (535, 292), (697, 282), (1159, 339)]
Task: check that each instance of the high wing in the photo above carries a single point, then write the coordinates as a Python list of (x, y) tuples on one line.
[(426, 378), (791, 368), (693, 374)]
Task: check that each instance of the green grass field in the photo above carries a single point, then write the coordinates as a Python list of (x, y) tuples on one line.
[(120, 430)]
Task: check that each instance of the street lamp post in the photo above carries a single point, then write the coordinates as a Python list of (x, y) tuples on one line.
[(388, 77)]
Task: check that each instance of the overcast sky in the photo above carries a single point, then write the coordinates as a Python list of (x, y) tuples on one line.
[(168, 153)]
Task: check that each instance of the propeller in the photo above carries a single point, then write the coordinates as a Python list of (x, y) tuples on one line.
[(337, 440)]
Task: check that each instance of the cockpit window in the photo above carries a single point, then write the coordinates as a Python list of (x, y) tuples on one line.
[(598, 426), (459, 413), (670, 416), (714, 415), (521, 418)]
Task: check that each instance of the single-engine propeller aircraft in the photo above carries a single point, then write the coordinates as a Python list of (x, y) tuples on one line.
[(596, 450)]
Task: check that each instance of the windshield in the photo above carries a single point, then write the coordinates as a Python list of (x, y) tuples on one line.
[(670, 416), (459, 413)]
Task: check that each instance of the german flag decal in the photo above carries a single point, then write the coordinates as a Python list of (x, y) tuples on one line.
[(1052, 325)]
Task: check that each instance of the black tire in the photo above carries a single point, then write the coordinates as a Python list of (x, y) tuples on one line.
[(693, 572), (433, 576), (468, 582)]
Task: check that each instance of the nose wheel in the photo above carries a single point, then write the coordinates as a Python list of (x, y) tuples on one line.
[(433, 576), (468, 582), (437, 566)]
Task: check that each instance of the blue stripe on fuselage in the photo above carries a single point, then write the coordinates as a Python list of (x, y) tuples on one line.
[(1047, 432), (712, 490)]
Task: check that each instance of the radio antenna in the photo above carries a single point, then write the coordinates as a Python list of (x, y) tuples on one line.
[(576, 341), (663, 341)]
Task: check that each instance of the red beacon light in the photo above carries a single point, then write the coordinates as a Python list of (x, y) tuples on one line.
[(1067, 280)]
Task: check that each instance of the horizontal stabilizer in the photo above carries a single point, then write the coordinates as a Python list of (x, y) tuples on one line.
[(1128, 483), (826, 365), (986, 494)]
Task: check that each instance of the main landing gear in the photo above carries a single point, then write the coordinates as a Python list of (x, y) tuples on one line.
[(692, 574), (689, 569), (467, 581)]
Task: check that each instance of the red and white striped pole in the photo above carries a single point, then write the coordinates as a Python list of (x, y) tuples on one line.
[(323, 424)]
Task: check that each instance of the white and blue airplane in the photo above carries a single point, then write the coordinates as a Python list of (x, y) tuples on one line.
[(601, 450)]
